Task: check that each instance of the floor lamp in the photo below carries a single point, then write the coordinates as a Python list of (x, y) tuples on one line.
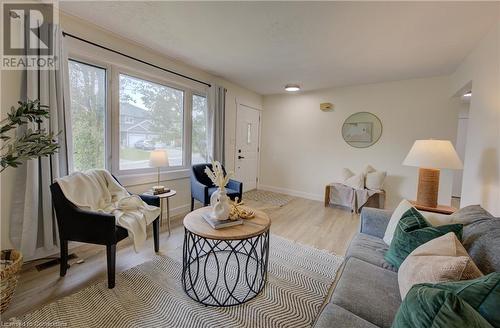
[(430, 156)]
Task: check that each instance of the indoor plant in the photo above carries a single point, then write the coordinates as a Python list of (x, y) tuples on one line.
[(28, 143), (20, 143)]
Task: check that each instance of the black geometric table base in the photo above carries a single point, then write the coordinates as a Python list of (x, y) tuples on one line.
[(224, 272)]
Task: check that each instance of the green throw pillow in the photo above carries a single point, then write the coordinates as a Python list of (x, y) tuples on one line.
[(468, 303), (412, 231), (483, 294)]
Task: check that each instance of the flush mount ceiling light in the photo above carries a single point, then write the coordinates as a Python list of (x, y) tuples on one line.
[(292, 87), (468, 94)]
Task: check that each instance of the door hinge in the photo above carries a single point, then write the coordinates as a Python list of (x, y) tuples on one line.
[(257, 179)]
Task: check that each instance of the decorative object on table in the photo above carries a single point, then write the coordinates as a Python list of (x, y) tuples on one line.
[(164, 197), (240, 211), (154, 289), (431, 156), (220, 224), (10, 265), (241, 251), (30, 144), (362, 129), (202, 187), (326, 107), (354, 193), (438, 260), (219, 201), (158, 159), (77, 222)]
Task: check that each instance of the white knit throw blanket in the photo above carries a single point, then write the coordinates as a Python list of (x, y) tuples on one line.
[(97, 190)]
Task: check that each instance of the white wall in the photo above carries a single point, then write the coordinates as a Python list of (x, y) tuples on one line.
[(460, 143), (303, 149), (481, 175), (11, 91)]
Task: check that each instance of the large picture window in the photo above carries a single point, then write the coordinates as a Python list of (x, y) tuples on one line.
[(144, 112), (87, 88), (151, 117)]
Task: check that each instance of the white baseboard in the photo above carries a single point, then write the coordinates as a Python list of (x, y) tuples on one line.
[(292, 192)]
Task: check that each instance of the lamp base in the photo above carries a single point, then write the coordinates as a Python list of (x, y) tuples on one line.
[(428, 187)]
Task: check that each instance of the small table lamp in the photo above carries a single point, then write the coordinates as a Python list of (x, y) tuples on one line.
[(158, 159), (430, 156)]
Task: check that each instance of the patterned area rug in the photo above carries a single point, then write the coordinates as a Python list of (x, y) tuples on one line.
[(267, 197), (151, 295)]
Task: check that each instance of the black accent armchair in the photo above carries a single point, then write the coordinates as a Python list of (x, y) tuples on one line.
[(202, 187), (76, 224)]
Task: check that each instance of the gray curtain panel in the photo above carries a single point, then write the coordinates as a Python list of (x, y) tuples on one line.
[(216, 117), (33, 228)]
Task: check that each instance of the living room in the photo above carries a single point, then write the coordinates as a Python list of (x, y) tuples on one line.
[(317, 130)]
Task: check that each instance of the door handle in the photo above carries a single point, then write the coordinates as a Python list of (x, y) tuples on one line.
[(240, 157)]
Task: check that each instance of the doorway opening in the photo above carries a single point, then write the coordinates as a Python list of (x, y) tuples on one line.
[(465, 97)]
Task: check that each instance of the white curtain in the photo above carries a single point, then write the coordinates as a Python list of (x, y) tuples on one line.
[(216, 117), (33, 227)]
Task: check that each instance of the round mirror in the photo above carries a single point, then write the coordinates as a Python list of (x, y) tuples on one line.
[(362, 129)]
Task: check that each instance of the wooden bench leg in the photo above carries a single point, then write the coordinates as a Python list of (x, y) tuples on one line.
[(327, 196), (111, 258)]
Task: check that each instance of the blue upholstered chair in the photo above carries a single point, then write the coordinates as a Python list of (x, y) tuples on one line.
[(202, 187)]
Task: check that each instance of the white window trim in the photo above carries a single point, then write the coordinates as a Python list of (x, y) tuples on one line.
[(115, 145), (107, 124), (199, 94), (114, 66)]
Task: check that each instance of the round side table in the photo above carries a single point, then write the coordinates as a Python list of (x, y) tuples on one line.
[(164, 196), (228, 266)]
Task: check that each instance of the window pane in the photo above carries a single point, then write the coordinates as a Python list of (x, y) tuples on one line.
[(199, 136), (88, 108), (151, 117)]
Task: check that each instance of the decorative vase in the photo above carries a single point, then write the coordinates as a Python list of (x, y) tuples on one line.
[(220, 205)]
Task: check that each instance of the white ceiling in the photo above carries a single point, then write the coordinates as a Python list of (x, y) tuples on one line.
[(264, 45)]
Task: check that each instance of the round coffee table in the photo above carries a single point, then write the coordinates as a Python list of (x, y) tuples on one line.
[(228, 266)]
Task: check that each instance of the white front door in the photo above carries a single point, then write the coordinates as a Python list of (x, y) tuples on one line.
[(247, 146)]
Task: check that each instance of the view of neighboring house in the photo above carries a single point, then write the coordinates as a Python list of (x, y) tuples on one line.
[(135, 125)]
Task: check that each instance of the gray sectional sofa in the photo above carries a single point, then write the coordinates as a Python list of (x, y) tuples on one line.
[(367, 293)]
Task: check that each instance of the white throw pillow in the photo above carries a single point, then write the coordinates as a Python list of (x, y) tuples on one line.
[(375, 180), (403, 206), (346, 174), (369, 169), (433, 218), (357, 181)]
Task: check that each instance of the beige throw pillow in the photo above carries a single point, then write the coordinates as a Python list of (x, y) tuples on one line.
[(346, 174), (439, 260), (357, 181)]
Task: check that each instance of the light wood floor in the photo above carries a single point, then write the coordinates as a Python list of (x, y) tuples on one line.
[(304, 221)]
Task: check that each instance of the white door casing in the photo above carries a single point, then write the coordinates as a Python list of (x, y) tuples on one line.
[(247, 146)]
